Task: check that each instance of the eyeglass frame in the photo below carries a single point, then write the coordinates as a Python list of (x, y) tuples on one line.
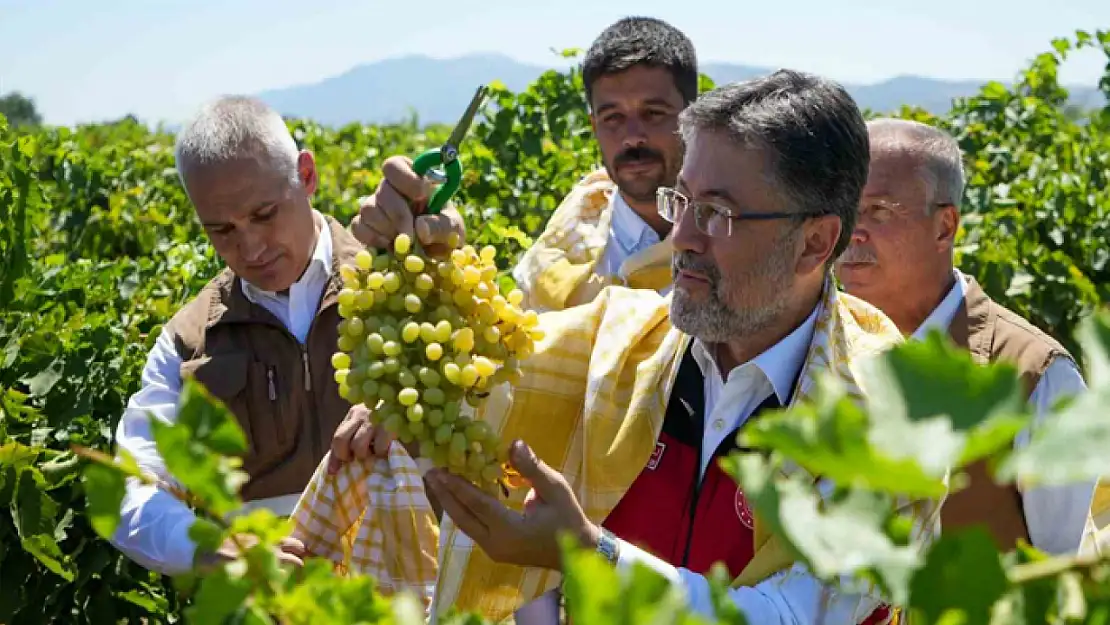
[(719, 211)]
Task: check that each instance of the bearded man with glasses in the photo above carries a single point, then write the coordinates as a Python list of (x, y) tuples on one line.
[(630, 399)]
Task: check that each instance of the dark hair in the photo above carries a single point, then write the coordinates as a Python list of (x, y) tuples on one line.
[(648, 41), (813, 128)]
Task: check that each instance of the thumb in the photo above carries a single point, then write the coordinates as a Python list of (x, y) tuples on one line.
[(433, 229), (548, 483)]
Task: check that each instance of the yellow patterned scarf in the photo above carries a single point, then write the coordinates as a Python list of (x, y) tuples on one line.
[(558, 270), (591, 404)]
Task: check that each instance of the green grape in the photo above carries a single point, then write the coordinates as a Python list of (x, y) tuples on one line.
[(428, 377), (410, 332), (406, 378), (434, 396), (393, 423), (427, 448), (434, 418), (347, 298), (443, 434), (375, 343), (475, 462), (408, 396), (375, 370), (479, 431)]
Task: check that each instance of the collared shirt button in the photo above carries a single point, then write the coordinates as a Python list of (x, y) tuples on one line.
[(718, 424)]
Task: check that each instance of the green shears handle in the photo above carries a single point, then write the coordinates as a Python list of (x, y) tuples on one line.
[(453, 171), (447, 157)]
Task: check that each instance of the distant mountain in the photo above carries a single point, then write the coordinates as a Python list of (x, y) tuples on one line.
[(437, 90)]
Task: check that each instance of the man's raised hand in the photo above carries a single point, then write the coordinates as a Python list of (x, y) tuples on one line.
[(397, 207)]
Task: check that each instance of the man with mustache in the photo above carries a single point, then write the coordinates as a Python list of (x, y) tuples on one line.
[(901, 260), (639, 74), (629, 400)]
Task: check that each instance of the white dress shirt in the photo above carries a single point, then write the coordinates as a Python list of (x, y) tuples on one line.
[(1056, 516), (154, 526)]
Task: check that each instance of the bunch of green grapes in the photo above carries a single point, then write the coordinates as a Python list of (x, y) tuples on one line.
[(420, 336)]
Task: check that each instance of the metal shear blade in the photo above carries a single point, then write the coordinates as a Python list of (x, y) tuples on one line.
[(451, 147)]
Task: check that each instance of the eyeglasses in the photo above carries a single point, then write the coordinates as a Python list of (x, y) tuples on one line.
[(711, 219)]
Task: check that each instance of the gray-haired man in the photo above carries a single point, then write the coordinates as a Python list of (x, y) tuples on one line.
[(259, 336)]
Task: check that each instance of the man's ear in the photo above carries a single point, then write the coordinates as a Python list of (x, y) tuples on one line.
[(306, 171), (819, 238), (946, 223)]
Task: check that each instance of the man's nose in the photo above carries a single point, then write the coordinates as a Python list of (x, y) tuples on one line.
[(635, 134), (252, 244), (859, 234), (685, 235)]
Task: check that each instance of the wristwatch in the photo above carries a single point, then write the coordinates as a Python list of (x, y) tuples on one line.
[(608, 546)]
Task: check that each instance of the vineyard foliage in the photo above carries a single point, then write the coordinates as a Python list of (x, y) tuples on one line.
[(99, 246)]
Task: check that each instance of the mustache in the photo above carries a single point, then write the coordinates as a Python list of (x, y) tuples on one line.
[(688, 262), (857, 255), (640, 154)]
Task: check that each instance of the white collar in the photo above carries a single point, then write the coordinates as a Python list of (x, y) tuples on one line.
[(320, 262), (780, 363), (631, 231), (942, 315)]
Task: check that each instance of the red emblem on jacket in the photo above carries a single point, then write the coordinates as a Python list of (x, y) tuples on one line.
[(743, 510)]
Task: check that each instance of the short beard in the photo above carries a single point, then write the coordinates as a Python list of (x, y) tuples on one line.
[(761, 302)]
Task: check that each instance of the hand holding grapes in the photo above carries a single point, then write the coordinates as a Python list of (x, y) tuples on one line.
[(357, 438), (530, 538), (395, 208)]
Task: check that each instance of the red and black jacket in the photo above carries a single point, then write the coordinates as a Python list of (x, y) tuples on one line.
[(670, 513)]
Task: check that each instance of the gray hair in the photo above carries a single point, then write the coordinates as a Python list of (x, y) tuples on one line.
[(938, 155), (236, 127), (813, 129)]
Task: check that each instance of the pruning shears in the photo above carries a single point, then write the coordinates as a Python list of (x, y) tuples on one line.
[(447, 157)]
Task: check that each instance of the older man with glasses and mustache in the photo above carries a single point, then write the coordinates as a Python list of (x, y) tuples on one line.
[(630, 399), (901, 260)]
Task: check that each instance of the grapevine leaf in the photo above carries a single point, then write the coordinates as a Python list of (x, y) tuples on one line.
[(206, 534), (939, 407), (842, 535), (1073, 449), (145, 602), (41, 383), (219, 597), (962, 573), (46, 550), (212, 424), (829, 436), (104, 488), (210, 478)]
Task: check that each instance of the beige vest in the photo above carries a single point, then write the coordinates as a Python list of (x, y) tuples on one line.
[(993, 333), (284, 395)]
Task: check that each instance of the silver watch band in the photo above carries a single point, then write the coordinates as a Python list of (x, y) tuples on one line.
[(608, 546)]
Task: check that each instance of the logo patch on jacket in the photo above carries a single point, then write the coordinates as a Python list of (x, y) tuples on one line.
[(743, 510)]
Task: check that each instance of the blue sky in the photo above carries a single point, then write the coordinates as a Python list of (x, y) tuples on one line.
[(99, 59)]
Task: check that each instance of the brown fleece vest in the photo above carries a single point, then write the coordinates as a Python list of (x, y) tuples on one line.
[(993, 333), (283, 394)]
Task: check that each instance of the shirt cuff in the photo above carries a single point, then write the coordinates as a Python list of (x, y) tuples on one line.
[(630, 554)]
